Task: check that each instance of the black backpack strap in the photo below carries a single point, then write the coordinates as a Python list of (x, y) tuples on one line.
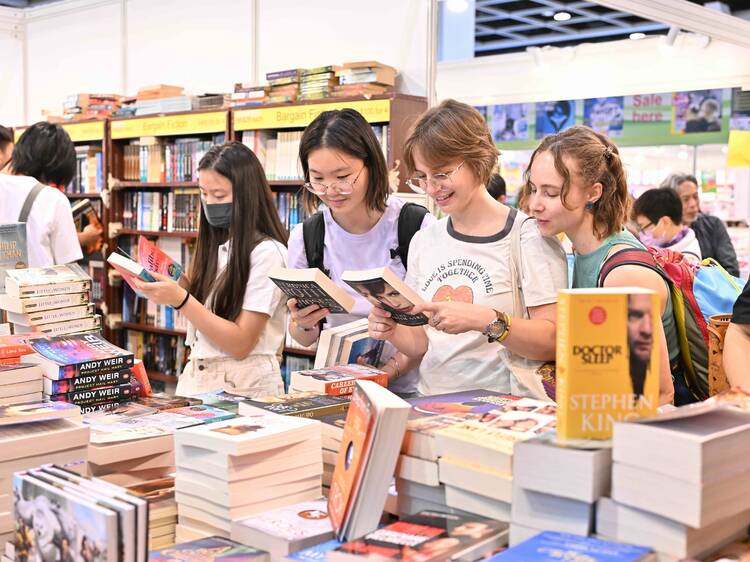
[(409, 222), (630, 256), (313, 235), (30, 198)]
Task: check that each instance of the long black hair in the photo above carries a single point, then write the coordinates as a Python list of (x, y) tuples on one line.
[(254, 219), (347, 131)]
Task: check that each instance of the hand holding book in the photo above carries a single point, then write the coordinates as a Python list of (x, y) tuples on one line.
[(308, 317), (163, 290)]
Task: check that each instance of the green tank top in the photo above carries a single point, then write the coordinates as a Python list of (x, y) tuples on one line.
[(586, 275)]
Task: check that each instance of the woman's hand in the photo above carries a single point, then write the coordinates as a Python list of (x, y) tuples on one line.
[(380, 325), (306, 318), (162, 291), (454, 317)]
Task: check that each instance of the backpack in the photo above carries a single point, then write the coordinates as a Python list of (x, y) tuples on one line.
[(314, 232), (697, 291)]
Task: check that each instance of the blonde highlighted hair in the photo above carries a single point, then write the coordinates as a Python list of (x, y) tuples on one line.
[(596, 160), (449, 132)]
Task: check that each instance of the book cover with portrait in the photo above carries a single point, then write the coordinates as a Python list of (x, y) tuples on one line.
[(607, 359)]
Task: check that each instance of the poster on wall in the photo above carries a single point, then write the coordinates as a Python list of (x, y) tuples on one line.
[(509, 122), (605, 115), (739, 120), (554, 116), (698, 111)]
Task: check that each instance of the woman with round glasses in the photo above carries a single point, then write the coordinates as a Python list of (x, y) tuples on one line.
[(344, 168), (460, 265)]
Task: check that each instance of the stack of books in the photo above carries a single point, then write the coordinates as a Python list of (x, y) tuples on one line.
[(85, 370), (475, 456), (49, 300), (332, 431), (366, 78), (79, 107), (33, 434), (207, 102), (283, 85), (238, 468), (417, 476), (248, 95), (347, 343), (678, 484), (58, 509), (162, 510), (19, 382), (337, 380), (285, 530), (555, 488), (318, 83), (161, 98)]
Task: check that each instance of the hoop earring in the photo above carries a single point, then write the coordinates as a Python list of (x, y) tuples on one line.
[(589, 206)]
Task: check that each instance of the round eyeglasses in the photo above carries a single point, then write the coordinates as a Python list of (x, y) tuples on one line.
[(342, 187), (419, 184)]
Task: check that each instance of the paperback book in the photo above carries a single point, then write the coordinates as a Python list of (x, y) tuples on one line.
[(211, 549), (552, 546), (311, 286), (203, 413), (382, 287), (300, 404), (115, 393), (44, 281), (86, 382), (29, 305), (336, 380), (65, 357), (37, 411), (13, 249)]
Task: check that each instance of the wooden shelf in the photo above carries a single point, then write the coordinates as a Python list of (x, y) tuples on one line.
[(154, 185), (150, 328), (300, 351), (164, 233), (288, 184), (162, 377), (95, 195)]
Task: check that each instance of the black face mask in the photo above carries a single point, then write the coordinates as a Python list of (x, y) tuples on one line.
[(218, 215)]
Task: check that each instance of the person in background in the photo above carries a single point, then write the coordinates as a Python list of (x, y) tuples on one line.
[(344, 168), (6, 146), (737, 342), (658, 216), (575, 183), (43, 155), (496, 188), (459, 264), (236, 315), (712, 235)]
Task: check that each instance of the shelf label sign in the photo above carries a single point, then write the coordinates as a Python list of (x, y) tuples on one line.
[(375, 111), (87, 131), (166, 125)]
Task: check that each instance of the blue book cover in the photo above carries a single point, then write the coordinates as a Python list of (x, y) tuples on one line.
[(552, 547), (13, 249), (315, 553), (467, 402)]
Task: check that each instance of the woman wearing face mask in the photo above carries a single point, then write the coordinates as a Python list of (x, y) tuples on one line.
[(575, 183), (236, 314), (345, 169), (459, 265)]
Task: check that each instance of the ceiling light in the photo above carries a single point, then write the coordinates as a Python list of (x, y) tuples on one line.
[(638, 35), (561, 16), (457, 6)]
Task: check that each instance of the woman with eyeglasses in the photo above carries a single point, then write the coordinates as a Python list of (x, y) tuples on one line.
[(460, 264), (344, 168)]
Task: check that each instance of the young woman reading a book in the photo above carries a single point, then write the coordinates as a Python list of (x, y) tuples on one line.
[(575, 183), (345, 169), (236, 314), (460, 264)]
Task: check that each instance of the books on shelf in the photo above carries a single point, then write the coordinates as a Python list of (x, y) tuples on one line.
[(607, 359), (291, 210), (175, 211), (13, 249), (375, 424), (336, 380), (286, 529), (311, 286), (89, 176), (383, 287), (139, 310), (427, 536), (153, 159)]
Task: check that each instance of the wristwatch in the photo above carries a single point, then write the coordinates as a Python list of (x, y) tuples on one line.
[(498, 329)]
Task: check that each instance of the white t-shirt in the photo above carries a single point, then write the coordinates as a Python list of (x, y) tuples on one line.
[(261, 295), (446, 265), (688, 246), (50, 231), (344, 251)]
